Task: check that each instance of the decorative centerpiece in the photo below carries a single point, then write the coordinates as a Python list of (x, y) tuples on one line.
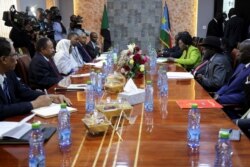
[(96, 123), (114, 83), (114, 108), (131, 62)]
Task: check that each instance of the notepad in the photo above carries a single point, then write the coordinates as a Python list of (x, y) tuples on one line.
[(179, 75), (50, 111), (77, 86), (162, 59), (15, 129)]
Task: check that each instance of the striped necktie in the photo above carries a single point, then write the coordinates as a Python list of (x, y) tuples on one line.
[(6, 90)]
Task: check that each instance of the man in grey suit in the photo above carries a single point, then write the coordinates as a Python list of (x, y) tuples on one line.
[(218, 68)]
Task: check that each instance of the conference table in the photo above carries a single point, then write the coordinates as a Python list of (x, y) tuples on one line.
[(132, 144)]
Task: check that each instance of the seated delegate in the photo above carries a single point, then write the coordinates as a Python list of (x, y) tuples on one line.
[(63, 58), (15, 97), (218, 68), (191, 55), (42, 71), (233, 91)]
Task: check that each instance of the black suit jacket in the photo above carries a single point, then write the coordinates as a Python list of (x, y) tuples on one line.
[(234, 31), (41, 74), (83, 52), (215, 29), (20, 96), (93, 52)]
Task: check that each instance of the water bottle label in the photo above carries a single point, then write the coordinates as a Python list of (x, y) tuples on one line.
[(194, 134), (65, 135)]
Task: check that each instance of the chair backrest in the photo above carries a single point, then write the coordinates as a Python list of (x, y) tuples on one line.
[(22, 68), (22, 51), (235, 57)]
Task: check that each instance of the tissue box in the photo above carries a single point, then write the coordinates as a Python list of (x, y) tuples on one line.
[(134, 97)]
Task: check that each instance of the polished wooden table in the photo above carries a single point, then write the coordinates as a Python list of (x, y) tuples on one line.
[(165, 146)]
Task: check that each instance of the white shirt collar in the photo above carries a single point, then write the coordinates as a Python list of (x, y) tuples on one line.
[(247, 65), (2, 78), (215, 20)]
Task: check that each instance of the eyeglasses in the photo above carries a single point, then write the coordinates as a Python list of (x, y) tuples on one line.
[(13, 54)]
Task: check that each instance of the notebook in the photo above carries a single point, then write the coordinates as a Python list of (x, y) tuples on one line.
[(50, 111)]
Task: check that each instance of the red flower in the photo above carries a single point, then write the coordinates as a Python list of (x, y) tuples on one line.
[(137, 58), (136, 49)]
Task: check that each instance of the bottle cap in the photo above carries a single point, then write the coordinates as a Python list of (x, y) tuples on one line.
[(36, 125), (149, 82), (63, 105), (224, 135), (89, 82), (194, 105)]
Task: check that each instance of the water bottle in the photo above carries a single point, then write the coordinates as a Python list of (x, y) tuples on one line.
[(164, 93), (159, 76), (193, 131), (93, 77), (36, 151), (223, 151), (64, 129), (149, 105), (99, 85), (90, 98), (105, 70), (110, 63), (153, 61)]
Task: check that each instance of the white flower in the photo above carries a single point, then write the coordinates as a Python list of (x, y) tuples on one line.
[(131, 47)]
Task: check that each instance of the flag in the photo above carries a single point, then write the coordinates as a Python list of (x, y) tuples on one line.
[(105, 30), (165, 36)]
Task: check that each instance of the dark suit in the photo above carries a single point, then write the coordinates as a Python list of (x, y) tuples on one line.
[(20, 96), (234, 30), (93, 51), (217, 73), (42, 74), (244, 124), (215, 29), (83, 52), (233, 91)]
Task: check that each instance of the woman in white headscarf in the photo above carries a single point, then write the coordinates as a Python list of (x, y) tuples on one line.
[(63, 59)]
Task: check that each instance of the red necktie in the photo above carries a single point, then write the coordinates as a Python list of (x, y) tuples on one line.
[(199, 67)]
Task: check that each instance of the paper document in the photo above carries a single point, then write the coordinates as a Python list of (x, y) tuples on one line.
[(77, 86), (50, 111), (179, 75), (97, 65), (79, 75), (162, 59), (15, 129), (103, 56), (202, 103)]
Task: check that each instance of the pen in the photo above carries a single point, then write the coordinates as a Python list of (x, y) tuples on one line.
[(45, 91)]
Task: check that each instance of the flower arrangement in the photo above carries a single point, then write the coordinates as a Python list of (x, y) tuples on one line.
[(132, 62)]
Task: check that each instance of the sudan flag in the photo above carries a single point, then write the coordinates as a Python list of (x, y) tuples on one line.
[(105, 31), (165, 35)]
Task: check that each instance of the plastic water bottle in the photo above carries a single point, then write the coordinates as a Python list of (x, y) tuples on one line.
[(36, 151), (153, 59), (105, 70), (149, 106), (159, 76), (193, 131), (90, 98), (99, 85), (93, 77), (64, 129), (223, 151), (164, 93)]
